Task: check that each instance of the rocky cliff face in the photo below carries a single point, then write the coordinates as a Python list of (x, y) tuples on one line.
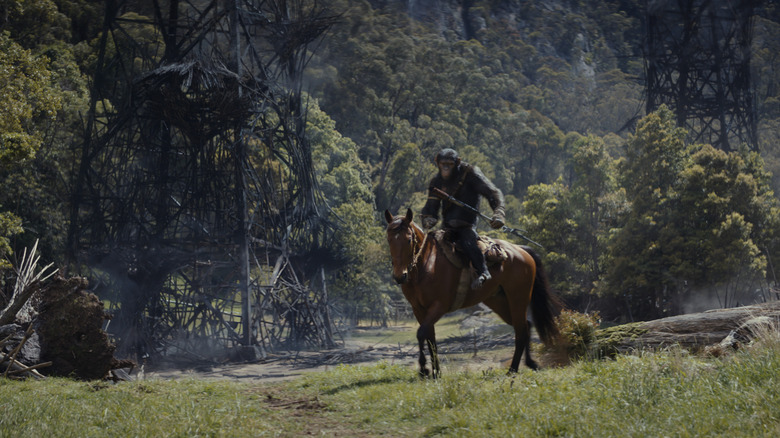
[(444, 15)]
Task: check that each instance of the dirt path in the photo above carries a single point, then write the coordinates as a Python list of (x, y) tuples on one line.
[(474, 346), (287, 365)]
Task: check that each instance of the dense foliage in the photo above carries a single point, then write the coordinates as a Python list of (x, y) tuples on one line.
[(637, 225), (542, 96), (43, 92)]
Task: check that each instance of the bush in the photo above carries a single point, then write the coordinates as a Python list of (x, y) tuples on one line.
[(577, 335)]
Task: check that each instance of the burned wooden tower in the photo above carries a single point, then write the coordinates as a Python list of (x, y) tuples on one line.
[(697, 62), (195, 189)]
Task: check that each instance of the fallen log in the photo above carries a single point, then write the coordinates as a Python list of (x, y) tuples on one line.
[(695, 331), (65, 335)]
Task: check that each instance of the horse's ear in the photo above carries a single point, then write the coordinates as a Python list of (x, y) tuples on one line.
[(409, 214), (388, 216)]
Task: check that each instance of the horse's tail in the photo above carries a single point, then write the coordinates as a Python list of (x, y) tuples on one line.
[(545, 304)]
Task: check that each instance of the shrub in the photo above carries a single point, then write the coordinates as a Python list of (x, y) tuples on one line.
[(577, 335)]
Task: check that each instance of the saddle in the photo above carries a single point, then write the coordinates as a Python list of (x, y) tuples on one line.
[(493, 252)]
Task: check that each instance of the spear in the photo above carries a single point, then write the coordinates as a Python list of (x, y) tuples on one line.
[(519, 233)]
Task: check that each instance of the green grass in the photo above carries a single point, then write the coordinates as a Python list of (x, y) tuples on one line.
[(61, 407), (663, 394), (405, 332), (660, 394)]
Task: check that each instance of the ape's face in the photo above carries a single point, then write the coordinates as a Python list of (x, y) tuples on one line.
[(446, 167)]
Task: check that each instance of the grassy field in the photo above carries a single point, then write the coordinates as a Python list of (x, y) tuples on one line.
[(405, 332), (650, 395)]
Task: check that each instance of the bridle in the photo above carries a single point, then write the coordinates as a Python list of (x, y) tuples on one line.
[(416, 250)]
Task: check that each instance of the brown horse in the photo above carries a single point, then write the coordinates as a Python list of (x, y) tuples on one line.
[(429, 282)]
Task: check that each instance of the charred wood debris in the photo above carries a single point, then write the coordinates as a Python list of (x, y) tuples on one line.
[(53, 326)]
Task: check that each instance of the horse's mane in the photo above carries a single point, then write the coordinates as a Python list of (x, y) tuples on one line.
[(419, 231), (422, 241)]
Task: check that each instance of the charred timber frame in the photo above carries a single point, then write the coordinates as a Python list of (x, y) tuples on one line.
[(697, 62), (195, 187)]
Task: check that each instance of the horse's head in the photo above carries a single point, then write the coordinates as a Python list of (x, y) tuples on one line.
[(403, 237)]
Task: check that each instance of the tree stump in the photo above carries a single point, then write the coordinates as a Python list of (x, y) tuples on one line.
[(70, 324)]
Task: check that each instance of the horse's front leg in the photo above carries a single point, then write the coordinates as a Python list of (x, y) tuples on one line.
[(427, 316), (426, 334), (421, 340), (433, 350)]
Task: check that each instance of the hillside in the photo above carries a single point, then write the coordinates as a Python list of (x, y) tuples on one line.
[(547, 98)]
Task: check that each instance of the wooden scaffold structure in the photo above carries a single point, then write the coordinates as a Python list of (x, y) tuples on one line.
[(697, 62), (195, 201)]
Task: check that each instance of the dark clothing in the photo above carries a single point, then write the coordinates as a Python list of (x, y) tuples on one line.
[(467, 184)]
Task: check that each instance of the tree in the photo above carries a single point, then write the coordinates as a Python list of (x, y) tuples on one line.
[(548, 218), (726, 217), (25, 90), (573, 222), (700, 220), (639, 264), (359, 274), (44, 93), (30, 103), (598, 204)]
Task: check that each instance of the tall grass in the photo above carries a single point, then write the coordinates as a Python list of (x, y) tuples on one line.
[(660, 394), (670, 393), (66, 408)]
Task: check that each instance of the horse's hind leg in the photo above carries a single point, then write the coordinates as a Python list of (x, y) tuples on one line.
[(500, 304), (517, 307), (522, 344)]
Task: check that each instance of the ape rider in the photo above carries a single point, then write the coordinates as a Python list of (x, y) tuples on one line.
[(465, 183)]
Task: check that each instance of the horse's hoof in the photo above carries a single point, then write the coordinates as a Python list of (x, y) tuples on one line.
[(424, 374)]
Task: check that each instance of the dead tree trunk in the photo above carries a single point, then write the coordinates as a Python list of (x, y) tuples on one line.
[(695, 331)]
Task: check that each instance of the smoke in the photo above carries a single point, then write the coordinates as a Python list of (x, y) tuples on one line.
[(721, 297), (696, 301)]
